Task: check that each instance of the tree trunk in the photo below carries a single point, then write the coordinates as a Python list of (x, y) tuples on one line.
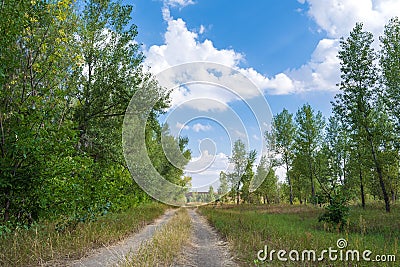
[(290, 184), (362, 188), (237, 192), (7, 208), (312, 182), (379, 171)]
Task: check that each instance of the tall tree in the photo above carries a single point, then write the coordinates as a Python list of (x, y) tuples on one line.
[(248, 175), (358, 97), (223, 186), (37, 56), (390, 64), (281, 140), (239, 161), (269, 186), (308, 138)]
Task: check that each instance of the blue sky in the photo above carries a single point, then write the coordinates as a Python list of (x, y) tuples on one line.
[(286, 48)]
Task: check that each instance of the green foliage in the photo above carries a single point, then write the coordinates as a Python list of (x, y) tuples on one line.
[(43, 243), (295, 227), (337, 212), (223, 186), (281, 142), (67, 74), (268, 189), (242, 173), (359, 100)]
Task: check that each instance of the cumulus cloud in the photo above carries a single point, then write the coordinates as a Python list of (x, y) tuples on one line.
[(181, 126), (182, 46), (201, 127), (202, 29), (320, 73), (178, 3), (338, 17), (209, 176)]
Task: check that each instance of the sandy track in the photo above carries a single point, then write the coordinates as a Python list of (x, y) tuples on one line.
[(110, 256), (206, 248)]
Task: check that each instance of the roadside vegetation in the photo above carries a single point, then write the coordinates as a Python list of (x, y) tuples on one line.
[(352, 156), (44, 242), (68, 70), (166, 245), (248, 228)]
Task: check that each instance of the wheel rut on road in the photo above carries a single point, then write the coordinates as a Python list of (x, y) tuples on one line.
[(111, 255), (206, 247)]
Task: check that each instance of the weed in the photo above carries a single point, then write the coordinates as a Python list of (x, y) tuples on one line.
[(166, 244), (42, 243), (249, 228)]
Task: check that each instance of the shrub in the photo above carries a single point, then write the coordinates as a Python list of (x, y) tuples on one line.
[(336, 213)]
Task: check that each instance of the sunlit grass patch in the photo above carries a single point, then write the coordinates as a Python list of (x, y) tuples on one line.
[(166, 244), (248, 229), (44, 243)]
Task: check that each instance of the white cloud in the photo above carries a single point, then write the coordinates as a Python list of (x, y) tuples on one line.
[(320, 73), (281, 173), (210, 175), (181, 126), (201, 127), (178, 3), (182, 46), (202, 29), (338, 17)]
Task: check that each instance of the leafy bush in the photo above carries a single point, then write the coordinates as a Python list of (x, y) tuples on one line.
[(336, 213)]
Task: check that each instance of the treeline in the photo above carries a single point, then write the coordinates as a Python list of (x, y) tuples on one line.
[(242, 184), (355, 152), (68, 71)]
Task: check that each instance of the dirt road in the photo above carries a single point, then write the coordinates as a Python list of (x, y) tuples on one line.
[(206, 248), (110, 256)]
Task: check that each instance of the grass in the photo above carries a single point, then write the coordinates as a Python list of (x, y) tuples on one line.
[(249, 228), (42, 243), (166, 244)]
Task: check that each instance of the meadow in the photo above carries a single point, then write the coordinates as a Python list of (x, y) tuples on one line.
[(249, 228), (45, 244)]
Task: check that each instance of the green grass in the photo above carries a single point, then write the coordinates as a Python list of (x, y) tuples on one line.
[(43, 243), (166, 244), (249, 228)]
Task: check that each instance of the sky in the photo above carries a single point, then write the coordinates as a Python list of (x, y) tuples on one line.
[(287, 49)]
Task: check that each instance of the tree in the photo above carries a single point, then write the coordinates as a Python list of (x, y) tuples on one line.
[(358, 96), (248, 176), (37, 56), (268, 188), (281, 140), (211, 194), (223, 186), (239, 160), (308, 140), (390, 65)]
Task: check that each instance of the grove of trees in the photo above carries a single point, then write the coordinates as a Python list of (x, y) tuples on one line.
[(68, 71), (355, 152)]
